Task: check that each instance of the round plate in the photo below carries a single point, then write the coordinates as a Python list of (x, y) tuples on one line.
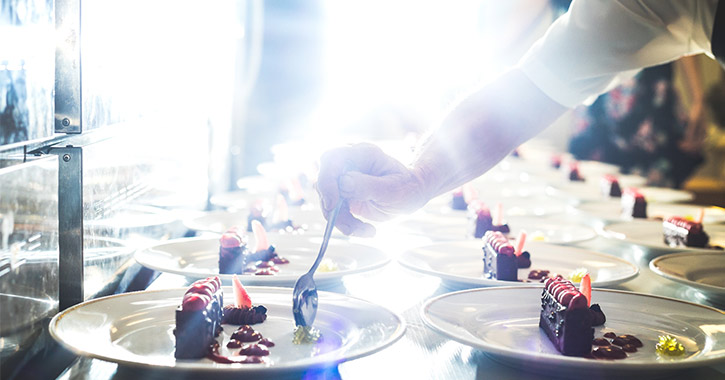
[(702, 270), (198, 258), (219, 222), (456, 227), (649, 234), (136, 329), (504, 322), (460, 263), (610, 210)]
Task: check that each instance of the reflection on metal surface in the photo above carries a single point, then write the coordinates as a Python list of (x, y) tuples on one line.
[(26, 71), (68, 66)]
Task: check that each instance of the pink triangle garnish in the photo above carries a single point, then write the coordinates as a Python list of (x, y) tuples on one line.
[(241, 297), (585, 287), (260, 236)]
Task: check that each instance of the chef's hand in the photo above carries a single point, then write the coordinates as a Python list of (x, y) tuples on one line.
[(374, 186)]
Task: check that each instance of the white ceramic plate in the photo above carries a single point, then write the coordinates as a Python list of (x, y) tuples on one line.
[(219, 222), (504, 322), (460, 263), (136, 329), (198, 258), (702, 270), (611, 210), (456, 227), (649, 234)]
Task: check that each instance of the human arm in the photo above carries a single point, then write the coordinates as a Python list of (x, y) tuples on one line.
[(582, 55), (474, 135)]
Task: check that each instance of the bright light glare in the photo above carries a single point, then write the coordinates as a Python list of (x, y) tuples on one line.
[(405, 53)]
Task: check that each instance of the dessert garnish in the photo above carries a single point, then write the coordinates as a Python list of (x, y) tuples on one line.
[(256, 212), (669, 346), (243, 312), (538, 275), (613, 346), (280, 218), (306, 335), (292, 192), (263, 260), (498, 223), (577, 274), (523, 258), (327, 265)]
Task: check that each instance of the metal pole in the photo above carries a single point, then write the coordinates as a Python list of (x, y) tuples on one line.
[(70, 225)]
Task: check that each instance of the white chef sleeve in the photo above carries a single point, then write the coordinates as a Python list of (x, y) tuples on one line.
[(598, 42)]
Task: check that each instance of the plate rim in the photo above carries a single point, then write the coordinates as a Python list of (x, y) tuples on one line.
[(320, 277), (603, 231), (523, 219), (490, 283), (399, 332), (572, 362), (702, 287)]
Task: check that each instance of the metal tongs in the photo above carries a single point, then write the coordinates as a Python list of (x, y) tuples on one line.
[(304, 295)]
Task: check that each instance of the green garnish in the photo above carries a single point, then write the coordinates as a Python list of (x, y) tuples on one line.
[(306, 335), (668, 345)]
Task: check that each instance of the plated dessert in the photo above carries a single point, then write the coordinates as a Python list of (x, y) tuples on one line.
[(609, 186), (634, 204), (501, 261), (278, 221), (567, 316), (681, 232), (481, 220), (573, 173), (236, 258), (199, 321)]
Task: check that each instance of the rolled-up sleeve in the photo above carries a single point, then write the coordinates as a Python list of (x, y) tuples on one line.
[(588, 50)]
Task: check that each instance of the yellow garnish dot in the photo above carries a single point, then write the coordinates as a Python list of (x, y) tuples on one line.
[(538, 238), (668, 345), (306, 335), (327, 265), (577, 274)]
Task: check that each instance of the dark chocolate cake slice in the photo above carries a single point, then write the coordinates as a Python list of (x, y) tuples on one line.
[(634, 204), (573, 172), (680, 232), (232, 250), (610, 186), (565, 318), (198, 319), (499, 258), (481, 221)]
